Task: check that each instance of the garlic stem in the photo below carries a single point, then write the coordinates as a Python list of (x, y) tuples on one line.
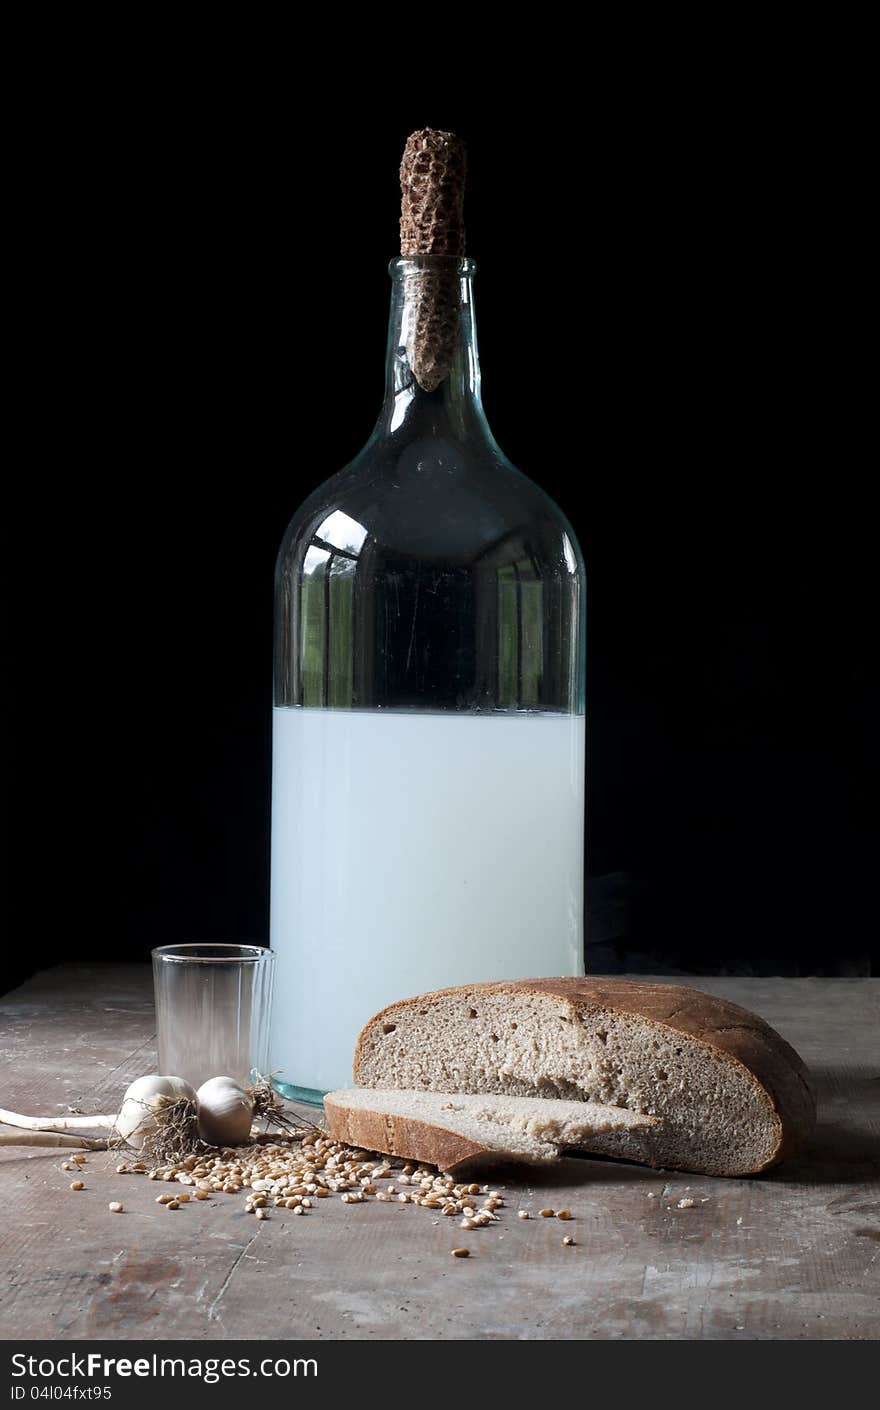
[(50, 1138), (58, 1123)]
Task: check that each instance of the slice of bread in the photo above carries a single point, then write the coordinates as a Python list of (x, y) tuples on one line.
[(734, 1098), (454, 1129)]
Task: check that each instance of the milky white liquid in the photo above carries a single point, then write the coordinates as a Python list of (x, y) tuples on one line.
[(411, 851)]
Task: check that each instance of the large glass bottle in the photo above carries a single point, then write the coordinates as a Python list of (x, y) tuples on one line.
[(428, 741)]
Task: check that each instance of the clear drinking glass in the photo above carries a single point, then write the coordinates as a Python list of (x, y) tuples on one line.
[(212, 1010)]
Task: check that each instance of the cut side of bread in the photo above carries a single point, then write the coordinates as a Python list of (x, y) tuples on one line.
[(733, 1097), (451, 1130)]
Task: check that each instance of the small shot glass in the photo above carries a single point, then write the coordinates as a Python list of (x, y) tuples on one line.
[(212, 1010)]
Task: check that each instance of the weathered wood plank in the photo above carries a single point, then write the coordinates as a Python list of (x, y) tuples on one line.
[(792, 1255)]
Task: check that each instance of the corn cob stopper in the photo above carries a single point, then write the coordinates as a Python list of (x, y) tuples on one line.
[(432, 176)]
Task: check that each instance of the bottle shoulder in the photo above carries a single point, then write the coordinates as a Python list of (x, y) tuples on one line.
[(432, 497)]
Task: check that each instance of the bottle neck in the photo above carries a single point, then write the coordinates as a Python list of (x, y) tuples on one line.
[(432, 373)]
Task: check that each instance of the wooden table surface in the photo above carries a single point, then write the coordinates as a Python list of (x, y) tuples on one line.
[(791, 1255)]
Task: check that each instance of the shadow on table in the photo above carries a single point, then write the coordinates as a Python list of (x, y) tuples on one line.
[(845, 1147), (838, 1154), (574, 1169)]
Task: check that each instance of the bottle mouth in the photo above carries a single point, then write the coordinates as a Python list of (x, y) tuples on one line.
[(403, 265)]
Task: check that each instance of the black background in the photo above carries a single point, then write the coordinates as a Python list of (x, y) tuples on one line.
[(198, 341)]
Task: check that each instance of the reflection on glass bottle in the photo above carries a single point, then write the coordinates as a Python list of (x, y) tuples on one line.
[(428, 771)]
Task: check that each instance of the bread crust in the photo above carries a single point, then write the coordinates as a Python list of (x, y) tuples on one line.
[(735, 1034), (403, 1136)]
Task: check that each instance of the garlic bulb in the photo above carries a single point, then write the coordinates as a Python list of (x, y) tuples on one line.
[(225, 1112), (138, 1116)]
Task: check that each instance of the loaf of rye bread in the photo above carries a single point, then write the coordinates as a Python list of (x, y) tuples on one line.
[(732, 1097), (451, 1130)]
